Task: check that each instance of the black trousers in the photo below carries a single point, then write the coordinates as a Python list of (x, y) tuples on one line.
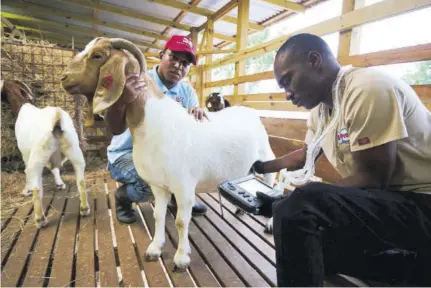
[(321, 229)]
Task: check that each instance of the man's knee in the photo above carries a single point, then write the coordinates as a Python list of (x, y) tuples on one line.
[(300, 201)]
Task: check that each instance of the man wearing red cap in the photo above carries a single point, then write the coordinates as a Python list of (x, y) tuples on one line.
[(175, 62)]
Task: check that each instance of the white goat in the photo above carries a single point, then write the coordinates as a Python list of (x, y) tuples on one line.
[(44, 136), (171, 150)]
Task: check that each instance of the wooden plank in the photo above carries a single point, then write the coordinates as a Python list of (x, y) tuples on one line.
[(420, 52), (219, 267), (198, 268), (273, 105), (178, 279), (61, 270), (225, 10), (12, 231), (241, 79), (85, 268), (252, 223), (257, 97), (265, 249), (16, 264), (423, 91), (128, 262), (246, 272), (241, 42), (288, 5), (37, 268), (154, 271), (105, 252), (288, 128)]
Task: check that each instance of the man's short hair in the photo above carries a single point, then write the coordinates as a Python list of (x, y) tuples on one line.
[(302, 44)]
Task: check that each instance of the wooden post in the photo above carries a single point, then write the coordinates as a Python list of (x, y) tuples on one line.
[(241, 43), (208, 58), (194, 36), (349, 39)]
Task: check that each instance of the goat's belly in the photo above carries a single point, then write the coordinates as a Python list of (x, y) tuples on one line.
[(149, 170)]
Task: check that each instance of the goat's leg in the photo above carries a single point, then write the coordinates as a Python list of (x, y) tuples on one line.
[(26, 191), (162, 197), (56, 173), (33, 174), (74, 153), (185, 204)]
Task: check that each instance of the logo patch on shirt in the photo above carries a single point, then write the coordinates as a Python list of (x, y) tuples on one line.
[(343, 136), (364, 141), (179, 98)]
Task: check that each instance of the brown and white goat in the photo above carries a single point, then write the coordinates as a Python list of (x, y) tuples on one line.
[(216, 102), (172, 151), (46, 138)]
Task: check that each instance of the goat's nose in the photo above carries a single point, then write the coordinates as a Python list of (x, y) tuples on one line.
[(64, 77)]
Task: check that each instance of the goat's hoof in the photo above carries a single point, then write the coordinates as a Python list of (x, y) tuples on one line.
[(40, 223), (268, 227), (84, 211), (26, 192), (151, 257), (61, 186), (181, 262), (239, 211), (153, 252)]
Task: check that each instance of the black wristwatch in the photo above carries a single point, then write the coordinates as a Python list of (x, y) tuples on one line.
[(258, 167)]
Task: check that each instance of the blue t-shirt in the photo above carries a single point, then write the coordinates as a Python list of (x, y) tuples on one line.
[(182, 92)]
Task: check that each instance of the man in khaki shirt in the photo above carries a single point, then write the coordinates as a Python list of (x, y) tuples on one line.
[(381, 145)]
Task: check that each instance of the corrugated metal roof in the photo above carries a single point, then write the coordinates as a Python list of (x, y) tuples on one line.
[(259, 12)]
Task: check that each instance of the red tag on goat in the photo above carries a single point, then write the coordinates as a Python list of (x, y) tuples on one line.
[(363, 141), (107, 82)]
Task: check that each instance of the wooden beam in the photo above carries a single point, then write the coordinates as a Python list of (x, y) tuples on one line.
[(420, 52), (241, 79), (369, 14), (218, 51), (12, 27), (225, 10), (287, 5), (224, 37), (345, 36), (128, 12), (241, 42), (209, 57), (44, 10), (423, 91), (76, 29), (274, 105), (257, 97)]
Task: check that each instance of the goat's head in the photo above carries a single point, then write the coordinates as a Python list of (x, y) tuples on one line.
[(99, 71), (216, 102), (16, 93)]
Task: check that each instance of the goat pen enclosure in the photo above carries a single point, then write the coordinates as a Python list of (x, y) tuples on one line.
[(227, 251)]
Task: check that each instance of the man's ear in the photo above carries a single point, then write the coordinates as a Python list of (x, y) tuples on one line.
[(112, 78), (315, 59), (161, 53)]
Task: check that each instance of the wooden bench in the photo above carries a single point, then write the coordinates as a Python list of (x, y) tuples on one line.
[(99, 251)]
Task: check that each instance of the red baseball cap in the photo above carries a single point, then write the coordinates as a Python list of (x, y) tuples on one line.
[(181, 44)]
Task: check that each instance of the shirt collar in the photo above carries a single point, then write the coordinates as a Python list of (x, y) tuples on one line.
[(175, 89)]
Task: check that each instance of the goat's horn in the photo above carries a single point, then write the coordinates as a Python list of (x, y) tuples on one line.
[(119, 43)]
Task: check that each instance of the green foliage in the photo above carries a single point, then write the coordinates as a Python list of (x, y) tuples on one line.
[(421, 76)]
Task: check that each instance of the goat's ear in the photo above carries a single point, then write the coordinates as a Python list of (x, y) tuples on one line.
[(112, 78)]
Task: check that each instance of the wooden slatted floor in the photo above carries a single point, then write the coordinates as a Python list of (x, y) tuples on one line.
[(99, 251)]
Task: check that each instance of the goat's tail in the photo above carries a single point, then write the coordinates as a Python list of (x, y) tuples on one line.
[(57, 130)]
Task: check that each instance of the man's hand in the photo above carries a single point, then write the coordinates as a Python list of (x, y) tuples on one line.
[(134, 85), (199, 113)]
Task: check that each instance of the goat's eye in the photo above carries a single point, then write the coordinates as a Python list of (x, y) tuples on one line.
[(96, 56)]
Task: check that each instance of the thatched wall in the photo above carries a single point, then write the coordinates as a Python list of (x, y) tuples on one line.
[(39, 65)]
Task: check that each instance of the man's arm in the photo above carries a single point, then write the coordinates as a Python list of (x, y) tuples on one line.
[(292, 161), (375, 167)]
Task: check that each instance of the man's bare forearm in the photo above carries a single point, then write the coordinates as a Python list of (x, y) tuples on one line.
[(292, 161), (116, 118)]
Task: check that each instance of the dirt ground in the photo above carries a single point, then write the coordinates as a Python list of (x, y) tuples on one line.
[(12, 183)]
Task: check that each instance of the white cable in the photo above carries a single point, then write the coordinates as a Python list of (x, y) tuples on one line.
[(302, 176)]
